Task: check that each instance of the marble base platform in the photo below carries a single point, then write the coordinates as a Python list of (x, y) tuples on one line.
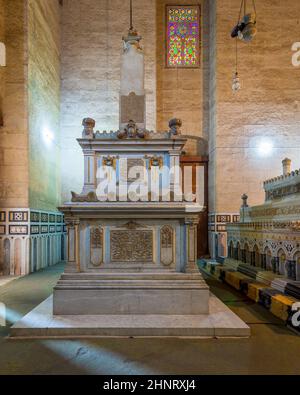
[(168, 293), (220, 322)]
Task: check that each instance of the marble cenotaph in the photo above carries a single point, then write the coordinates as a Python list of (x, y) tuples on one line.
[(132, 250)]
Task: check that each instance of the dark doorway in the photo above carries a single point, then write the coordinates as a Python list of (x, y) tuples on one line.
[(194, 162)]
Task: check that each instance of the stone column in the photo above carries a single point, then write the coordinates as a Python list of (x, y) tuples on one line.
[(191, 244), (73, 242), (235, 254), (89, 172), (275, 265), (244, 256), (264, 261), (291, 270), (252, 258), (175, 179)]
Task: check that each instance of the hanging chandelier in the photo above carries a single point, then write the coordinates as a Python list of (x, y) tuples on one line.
[(245, 29)]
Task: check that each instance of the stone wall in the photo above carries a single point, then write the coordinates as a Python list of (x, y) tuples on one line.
[(265, 110), (14, 138), (91, 47), (44, 103)]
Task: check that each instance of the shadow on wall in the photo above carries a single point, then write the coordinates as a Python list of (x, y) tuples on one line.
[(197, 146)]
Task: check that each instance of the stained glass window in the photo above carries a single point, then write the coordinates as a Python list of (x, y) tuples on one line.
[(183, 36)]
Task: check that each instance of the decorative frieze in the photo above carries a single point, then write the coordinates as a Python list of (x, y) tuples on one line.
[(131, 246), (35, 216), (34, 229), (18, 216), (18, 230), (52, 218), (44, 229), (31, 244), (44, 217)]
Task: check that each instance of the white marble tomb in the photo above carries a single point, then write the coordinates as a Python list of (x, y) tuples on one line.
[(132, 258)]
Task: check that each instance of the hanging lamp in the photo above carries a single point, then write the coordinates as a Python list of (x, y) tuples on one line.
[(245, 29)]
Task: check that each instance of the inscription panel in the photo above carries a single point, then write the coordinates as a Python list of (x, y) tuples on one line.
[(132, 108), (132, 246)]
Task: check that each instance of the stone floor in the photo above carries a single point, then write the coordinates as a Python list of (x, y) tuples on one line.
[(272, 349), (4, 280)]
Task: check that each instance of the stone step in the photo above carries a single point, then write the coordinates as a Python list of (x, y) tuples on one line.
[(142, 284), (141, 276), (219, 322)]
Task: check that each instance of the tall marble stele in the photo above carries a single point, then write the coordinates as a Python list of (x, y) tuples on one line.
[(127, 256)]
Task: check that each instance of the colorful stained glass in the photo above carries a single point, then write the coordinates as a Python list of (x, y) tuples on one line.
[(183, 32)]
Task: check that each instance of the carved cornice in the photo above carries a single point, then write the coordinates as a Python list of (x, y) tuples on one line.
[(266, 226), (274, 211), (91, 197), (283, 191), (71, 222)]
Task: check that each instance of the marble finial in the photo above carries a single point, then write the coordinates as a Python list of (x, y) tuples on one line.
[(245, 200), (175, 125), (88, 131)]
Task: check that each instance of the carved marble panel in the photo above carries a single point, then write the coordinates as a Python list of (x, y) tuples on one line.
[(167, 245), (132, 108), (131, 163), (96, 246), (132, 246)]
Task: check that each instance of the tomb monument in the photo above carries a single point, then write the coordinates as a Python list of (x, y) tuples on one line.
[(132, 245)]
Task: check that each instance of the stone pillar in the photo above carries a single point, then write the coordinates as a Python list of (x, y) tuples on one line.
[(236, 254), (191, 244), (175, 179), (291, 270), (252, 258), (275, 265), (73, 238), (89, 172), (229, 251), (264, 261)]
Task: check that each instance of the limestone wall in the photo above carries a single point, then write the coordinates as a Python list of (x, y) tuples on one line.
[(266, 109), (91, 48), (13, 135), (44, 103)]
